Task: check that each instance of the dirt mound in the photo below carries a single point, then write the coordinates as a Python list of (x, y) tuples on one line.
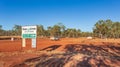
[(77, 55)]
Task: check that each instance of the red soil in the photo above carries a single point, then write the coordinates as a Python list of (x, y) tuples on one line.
[(12, 52)]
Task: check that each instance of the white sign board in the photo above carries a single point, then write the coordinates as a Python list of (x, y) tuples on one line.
[(29, 31)]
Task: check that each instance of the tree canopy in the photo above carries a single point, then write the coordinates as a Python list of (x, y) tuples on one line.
[(107, 29), (101, 29)]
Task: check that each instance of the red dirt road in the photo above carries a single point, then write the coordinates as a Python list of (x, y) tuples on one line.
[(8, 45)]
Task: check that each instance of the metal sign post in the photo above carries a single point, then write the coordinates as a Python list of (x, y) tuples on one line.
[(29, 32)]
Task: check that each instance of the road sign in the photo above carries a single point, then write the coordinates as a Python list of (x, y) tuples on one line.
[(29, 31), (28, 35)]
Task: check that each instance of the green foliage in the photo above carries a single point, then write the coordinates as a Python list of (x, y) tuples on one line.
[(107, 29), (71, 32), (102, 29), (41, 31), (17, 30), (1, 30), (56, 30), (86, 34), (0, 27)]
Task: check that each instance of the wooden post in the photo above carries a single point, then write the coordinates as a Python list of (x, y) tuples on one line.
[(23, 42)]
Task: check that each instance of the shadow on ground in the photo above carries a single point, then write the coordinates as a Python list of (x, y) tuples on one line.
[(50, 48), (77, 55)]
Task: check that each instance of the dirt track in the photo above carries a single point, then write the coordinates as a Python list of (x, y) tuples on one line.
[(67, 52)]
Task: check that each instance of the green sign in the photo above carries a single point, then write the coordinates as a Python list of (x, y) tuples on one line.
[(28, 35), (29, 31)]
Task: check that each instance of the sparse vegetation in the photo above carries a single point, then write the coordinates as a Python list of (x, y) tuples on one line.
[(107, 29), (102, 29), (66, 52)]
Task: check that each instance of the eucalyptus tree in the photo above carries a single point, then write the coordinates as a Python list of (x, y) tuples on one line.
[(56, 30), (17, 30), (40, 30), (98, 30), (49, 30), (72, 32), (116, 29), (1, 31), (107, 28), (62, 29)]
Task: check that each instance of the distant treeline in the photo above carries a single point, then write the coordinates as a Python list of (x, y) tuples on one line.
[(102, 29)]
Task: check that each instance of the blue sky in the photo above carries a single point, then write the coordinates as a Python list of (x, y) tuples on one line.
[(79, 14)]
